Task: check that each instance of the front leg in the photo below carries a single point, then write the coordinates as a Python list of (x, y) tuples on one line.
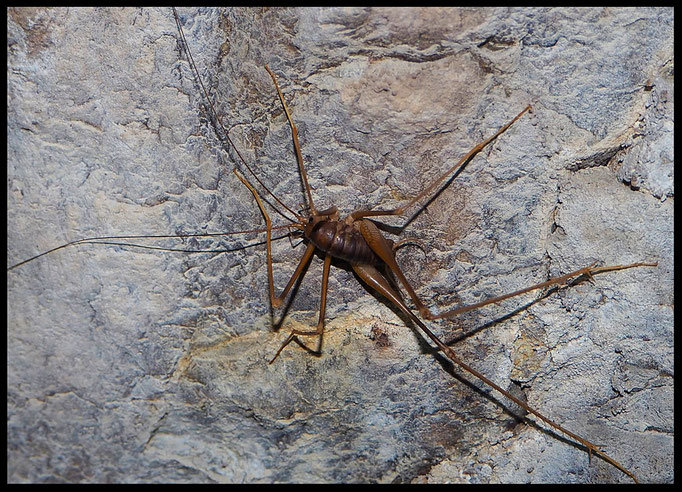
[(319, 330)]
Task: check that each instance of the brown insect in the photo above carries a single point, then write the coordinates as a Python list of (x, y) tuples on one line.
[(358, 241)]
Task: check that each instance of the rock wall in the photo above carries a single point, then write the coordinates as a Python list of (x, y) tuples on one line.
[(130, 365)]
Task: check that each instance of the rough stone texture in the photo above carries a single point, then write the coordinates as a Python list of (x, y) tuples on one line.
[(135, 365)]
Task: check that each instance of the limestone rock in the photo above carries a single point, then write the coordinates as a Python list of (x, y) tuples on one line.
[(136, 365)]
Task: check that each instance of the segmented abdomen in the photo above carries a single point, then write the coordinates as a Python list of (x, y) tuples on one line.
[(342, 241)]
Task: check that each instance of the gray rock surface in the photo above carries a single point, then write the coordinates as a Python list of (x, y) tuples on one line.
[(131, 365)]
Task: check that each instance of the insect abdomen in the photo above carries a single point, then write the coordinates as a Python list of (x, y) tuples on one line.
[(342, 241)]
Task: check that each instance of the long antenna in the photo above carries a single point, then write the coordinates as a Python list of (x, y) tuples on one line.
[(108, 240), (195, 70)]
